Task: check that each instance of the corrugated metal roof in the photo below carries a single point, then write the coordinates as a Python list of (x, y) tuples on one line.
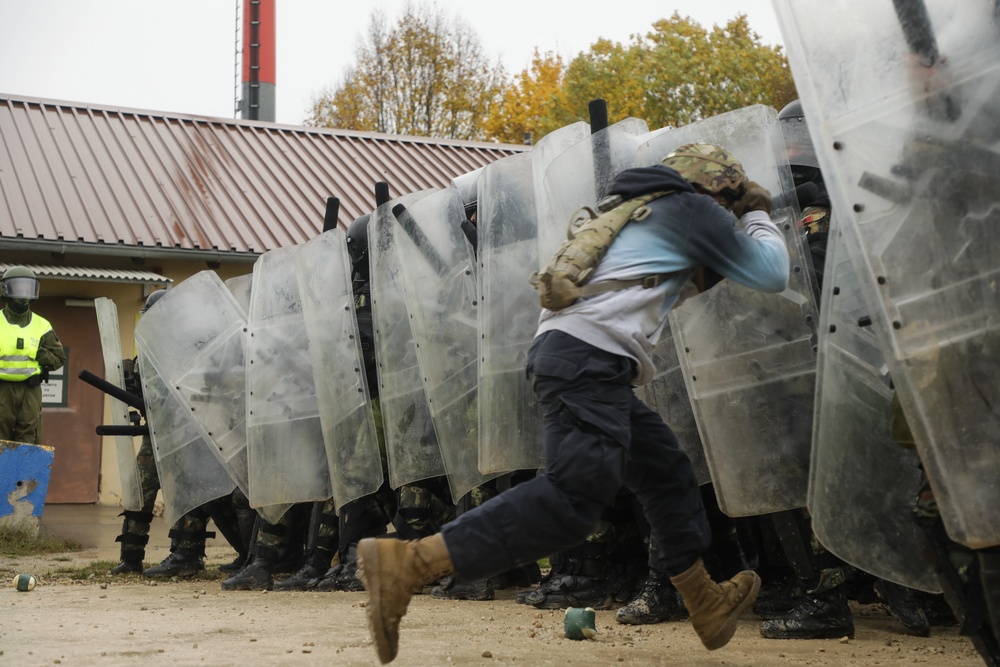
[(85, 273), (79, 173)]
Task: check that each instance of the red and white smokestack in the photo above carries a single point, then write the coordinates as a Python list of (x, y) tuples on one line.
[(257, 94)]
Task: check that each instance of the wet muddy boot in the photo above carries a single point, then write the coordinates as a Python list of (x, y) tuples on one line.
[(134, 538), (256, 576), (180, 563), (575, 582), (715, 608), (392, 570), (657, 602), (451, 588), (905, 606), (823, 615)]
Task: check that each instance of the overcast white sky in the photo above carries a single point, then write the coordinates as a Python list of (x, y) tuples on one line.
[(179, 56)]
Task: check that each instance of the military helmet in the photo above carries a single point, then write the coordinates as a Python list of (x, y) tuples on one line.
[(19, 282), (468, 187), (153, 298), (710, 167), (795, 130), (357, 241)]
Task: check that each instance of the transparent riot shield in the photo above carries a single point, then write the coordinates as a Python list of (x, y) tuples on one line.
[(190, 472), (323, 270), (510, 433), (578, 176), (905, 115), (410, 440), (240, 286), (440, 290), (286, 457), (125, 449), (749, 357), (862, 484), (204, 362)]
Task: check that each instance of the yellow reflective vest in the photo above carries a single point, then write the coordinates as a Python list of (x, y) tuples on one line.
[(19, 348)]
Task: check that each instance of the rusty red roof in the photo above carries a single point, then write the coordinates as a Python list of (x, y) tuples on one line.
[(126, 178)]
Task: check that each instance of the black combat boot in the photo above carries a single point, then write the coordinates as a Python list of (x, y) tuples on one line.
[(328, 581), (658, 601), (575, 581), (778, 597), (317, 565), (905, 606), (180, 563), (256, 576), (134, 538), (187, 547), (451, 588), (347, 579), (817, 616), (299, 581)]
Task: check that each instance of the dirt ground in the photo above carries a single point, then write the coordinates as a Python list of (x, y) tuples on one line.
[(107, 621)]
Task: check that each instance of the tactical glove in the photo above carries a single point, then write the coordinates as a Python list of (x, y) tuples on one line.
[(755, 198)]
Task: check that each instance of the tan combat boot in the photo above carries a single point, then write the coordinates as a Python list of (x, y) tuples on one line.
[(392, 571), (715, 608)]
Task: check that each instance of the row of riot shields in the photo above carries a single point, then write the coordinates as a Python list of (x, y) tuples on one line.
[(261, 383), (905, 115)]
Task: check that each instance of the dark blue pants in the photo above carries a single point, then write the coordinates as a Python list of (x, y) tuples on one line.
[(598, 436)]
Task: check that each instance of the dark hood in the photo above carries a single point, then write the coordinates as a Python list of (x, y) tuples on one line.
[(634, 182)]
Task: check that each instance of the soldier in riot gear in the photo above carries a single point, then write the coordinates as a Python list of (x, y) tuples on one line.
[(29, 349), (188, 534), (599, 436), (807, 595)]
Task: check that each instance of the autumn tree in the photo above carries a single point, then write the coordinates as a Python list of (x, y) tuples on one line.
[(677, 73), (531, 105), (423, 76)]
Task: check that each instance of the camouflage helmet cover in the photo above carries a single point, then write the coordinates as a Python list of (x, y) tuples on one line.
[(710, 167)]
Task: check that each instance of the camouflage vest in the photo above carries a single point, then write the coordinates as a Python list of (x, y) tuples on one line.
[(566, 277)]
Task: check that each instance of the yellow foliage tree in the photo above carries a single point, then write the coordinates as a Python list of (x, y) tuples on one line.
[(530, 106), (677, 73)]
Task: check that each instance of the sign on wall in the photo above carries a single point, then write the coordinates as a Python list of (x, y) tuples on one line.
[(54, 393)]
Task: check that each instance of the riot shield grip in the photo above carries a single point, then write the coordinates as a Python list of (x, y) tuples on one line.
[(110, 389)]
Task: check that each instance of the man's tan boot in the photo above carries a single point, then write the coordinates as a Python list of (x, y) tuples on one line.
[(715, 608), (392, 571)]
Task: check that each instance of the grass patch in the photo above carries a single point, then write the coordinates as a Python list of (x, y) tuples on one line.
[(97, 569), (21, 542)]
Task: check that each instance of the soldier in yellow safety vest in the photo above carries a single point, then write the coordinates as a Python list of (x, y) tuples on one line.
[(28, 349)]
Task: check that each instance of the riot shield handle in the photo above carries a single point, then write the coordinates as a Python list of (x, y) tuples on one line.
[(420, 239), (332, 212), (117, 392), (111, 429), (919, 34)]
